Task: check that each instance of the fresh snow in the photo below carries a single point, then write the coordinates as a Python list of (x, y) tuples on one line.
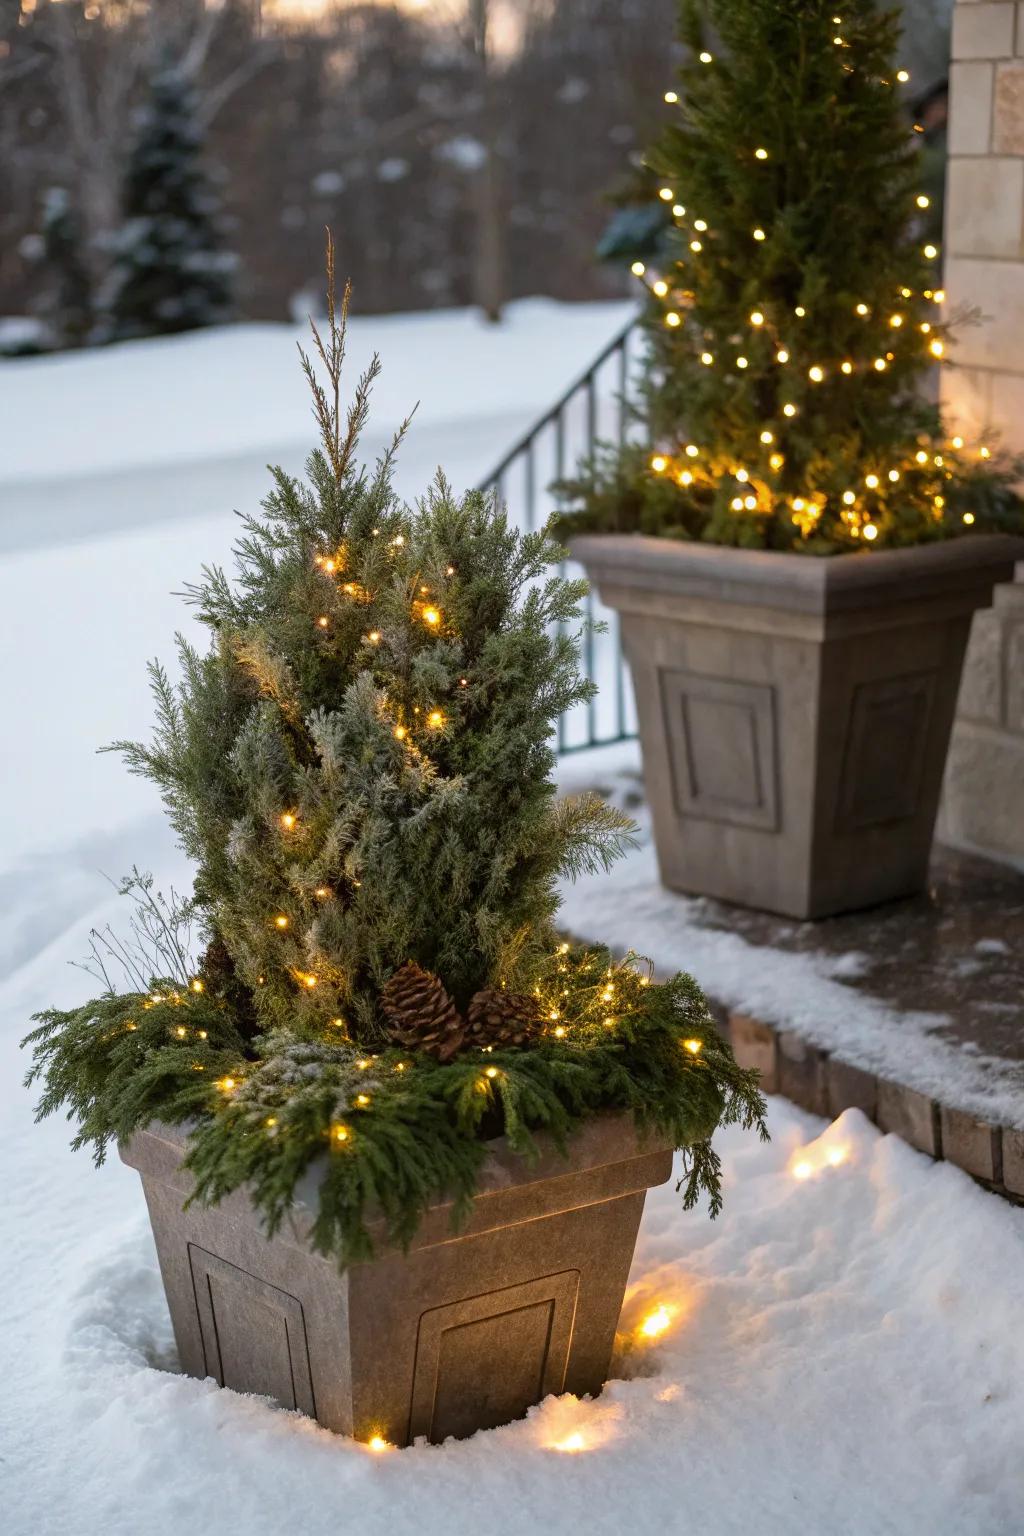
[(838, 1359), (805, 992)]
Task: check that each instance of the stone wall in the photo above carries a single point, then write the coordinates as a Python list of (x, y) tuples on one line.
[(984, 269)]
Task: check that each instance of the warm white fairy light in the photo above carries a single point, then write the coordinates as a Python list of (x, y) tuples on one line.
[(760, 154), (756, 317), (659, 464), (705, 57), (846, 367), (903, 75), (742, 362), (799, 311), (692, 450), (695, 245), (742, 476), (849, 497), (870, 531), (923, 201), (638, 269), (661, 287), (782, 356), (930, 252), (968, 518), (678, 210), (789, 409), (700, 225), (666, 194), (767, 437), (655, 1323), (671, 97), (707, 359), (672, 319), (936, 348), (816, 374), (737, 504), (871, 481), (861, 309), (894, 475), (880, 364), (759, 234)]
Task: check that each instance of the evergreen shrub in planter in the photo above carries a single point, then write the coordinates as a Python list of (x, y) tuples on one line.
[(794, 711), (394, 1132)]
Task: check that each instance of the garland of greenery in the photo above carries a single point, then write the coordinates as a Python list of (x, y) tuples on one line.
[(360, 770)]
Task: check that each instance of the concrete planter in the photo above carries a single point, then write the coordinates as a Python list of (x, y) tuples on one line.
[(464, 1332), (795, 712)]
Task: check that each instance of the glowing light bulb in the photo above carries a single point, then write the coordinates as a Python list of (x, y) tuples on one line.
[(930, 252), (903, 75), (435, 719), (666, 194), (571, 1443), (374, 637), (696, 246), (861, 309), (737, 504), (871, 481), (377, 1443), (870, 531), (707, 359), (659, 463), (968, 518), (323, 621), (288, 821), (685, 477), (678, 210), (661, 288), (638, 269), (757, 318), (802, 1170), (280, 921), (180, 1032), (672, 319), (310, 980), (984, 453), (363, 1099), (341, 1133), (197, 985), (816, 374), (767, 437), (894, 475), (936, 348), (846, 367), (939, 296), (849, 497), (431, 616), (759, 234), (700, 225), (958, 442), (895, 321), (789, 410), (742, 475), (921, 456), (671, 97), (776, 461), (760, 154), (782, 356), (227, 1084), (880, 364), (705, 57), (799, 311), (693, 1046), (491, 1072), (741, 362), (692, 450), (559, 1031), (655, 1323), (922, 201), (836, 1155)]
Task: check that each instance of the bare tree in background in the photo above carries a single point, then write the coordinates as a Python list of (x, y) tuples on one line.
[(488, 264)]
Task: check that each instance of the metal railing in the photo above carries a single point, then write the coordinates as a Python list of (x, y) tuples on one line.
[(595, 408)]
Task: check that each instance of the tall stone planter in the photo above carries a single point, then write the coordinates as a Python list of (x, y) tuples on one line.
[(464, 1332), (795, 712)]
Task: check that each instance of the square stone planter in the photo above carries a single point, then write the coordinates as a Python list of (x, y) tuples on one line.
[(463, 1332), (795, 712)]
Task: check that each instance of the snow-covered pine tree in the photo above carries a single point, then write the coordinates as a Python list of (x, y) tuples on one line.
[(67, 303), (169, 272)]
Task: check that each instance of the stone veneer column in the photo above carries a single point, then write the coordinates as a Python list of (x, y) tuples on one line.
[(983, 805)]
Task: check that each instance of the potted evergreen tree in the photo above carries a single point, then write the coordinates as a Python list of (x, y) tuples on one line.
[(794, 711), (394, 1133)]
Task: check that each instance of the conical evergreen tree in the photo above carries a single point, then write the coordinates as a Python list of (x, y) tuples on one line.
[(169, 271), (793, 325), (360, 769), (67, 305)]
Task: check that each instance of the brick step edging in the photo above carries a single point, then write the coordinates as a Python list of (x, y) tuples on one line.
[(815, 1080)]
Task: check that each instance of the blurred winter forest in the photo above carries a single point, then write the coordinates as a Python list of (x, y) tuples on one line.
[(461, 150)]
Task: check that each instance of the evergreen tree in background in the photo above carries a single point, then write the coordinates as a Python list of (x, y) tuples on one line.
[(169, 273), (793, 323), (67, 306)]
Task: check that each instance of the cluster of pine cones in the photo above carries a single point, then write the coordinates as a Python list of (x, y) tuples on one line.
[(422, 1017)]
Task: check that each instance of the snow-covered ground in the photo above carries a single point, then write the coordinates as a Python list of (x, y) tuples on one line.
[(838, 1359)]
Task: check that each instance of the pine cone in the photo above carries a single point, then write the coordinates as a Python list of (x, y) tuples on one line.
[(420, 1014), (502, 1018)]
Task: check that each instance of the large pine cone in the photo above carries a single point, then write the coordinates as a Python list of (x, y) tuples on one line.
[(502, 1018), (420, 1014)]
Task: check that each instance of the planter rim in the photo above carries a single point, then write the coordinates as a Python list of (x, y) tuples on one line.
[(608, 1140), (806, 583)]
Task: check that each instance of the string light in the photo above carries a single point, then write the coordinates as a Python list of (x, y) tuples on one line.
[(696, 246), (693, 1046), (655, 1323), (782, 356), (323, 621), (659, 463), (435, 719), (922, 201), (759, 234), (939, 296), (895, 321), (776, 461), (921, 456), (574, 1442), (705, 57), (816, 374), (931, 251), (707, 359), (936, 348), (737, 504), (880, 364), (849, 497), (685, 477), (692, 450), (661, 288), (377, 1443), (678, 210), (968, 518), (700, 225), (984, 453), (741, 362), (799, 311), (197, 985), (870, 531), (903, 75), (431, 616), (861, 309), (281, 921), (323, 892), (671, 97), (894, 475), (288, 821), (341, 1133), (666, 194), (760, 154), (871, 481), (742, 476), (363, 1099), (757, 318), (789, 409), (846, 367), (374, 637), (227, 1084), (767, 437), (958, 442), (672, 319), (638, 269)]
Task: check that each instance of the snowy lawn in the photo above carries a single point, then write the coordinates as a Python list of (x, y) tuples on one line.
[(837, 1360)]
